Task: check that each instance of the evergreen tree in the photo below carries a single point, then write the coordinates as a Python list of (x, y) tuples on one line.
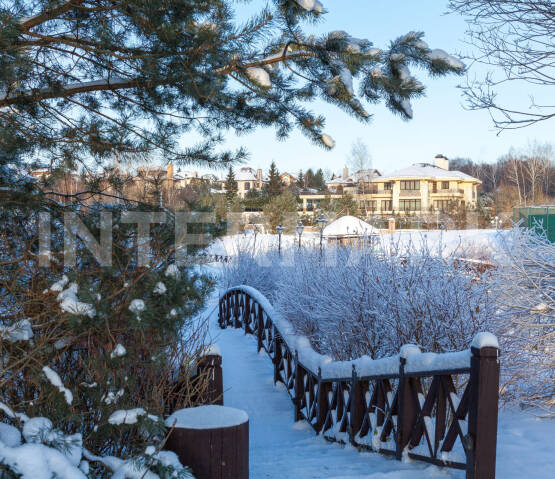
[(346, 205), (255, 200), (309, 178), (85, 82), (230, 187), (281, 210), (274, 181), (318, 181), (300, 180)]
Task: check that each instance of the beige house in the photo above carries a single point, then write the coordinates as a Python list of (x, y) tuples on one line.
[(287, 179), (249, 179), (417, 189)]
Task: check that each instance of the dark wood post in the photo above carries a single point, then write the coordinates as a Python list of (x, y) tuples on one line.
[(228, 308), (215, 450), (299, 389), (356, 406), (260, 332), (237, 321), (210, 367), (277, 356), (482, 414), (407, 411), (246, 312), (220, 315), (321, 404)]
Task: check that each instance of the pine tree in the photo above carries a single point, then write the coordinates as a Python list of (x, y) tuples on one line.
[(300, 180), (346, 205), (281, 210), (309, 178), (230, 187), (318, 181), (86, 82), (274, 181)]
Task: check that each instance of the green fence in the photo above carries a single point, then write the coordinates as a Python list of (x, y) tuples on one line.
[(540, 218)]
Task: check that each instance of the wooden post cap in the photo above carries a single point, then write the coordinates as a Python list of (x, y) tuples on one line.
[(207, 417), (212, 440)]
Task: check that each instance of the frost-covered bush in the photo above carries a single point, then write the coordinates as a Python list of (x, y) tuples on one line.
[(526, 284), (353, 301), (92, 352)]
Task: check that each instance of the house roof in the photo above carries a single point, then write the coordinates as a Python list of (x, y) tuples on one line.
[(425, 170), (349, 226), (245, 175), (364, 175)]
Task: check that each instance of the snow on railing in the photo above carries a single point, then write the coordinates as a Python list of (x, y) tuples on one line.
[(416, 360), (440, 408)]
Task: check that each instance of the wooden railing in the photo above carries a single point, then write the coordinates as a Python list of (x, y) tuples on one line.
[(214, 258), (438, 408)]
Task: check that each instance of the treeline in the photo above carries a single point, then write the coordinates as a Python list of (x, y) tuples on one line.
[(520, 177)]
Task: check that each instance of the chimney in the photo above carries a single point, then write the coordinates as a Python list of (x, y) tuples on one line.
[(345, 172), (259, 174), (441, 162), (169, 170)]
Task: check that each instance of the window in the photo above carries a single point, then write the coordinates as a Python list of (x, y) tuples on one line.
[(444, 185), (409, 205), (371, 205), (410, 185), (442, 205), (247, 186), (387, 205), (434, 186), (387, 186)]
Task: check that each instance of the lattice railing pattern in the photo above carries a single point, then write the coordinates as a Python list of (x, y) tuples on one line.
[(445, 417)]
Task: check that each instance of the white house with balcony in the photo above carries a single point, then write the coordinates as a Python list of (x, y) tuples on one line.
[(419, 188)]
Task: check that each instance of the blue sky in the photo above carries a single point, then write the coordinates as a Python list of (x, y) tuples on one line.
[(440, 124)]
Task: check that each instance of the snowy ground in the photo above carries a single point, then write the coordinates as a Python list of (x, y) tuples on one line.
[(472, 242), (280, 448)]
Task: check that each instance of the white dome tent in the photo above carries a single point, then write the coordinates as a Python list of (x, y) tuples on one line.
[(348, 229)]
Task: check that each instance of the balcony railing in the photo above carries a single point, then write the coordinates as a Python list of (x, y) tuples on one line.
[(451, 191), (411, 193)]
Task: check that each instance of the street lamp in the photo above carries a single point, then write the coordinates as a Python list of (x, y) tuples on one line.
[(322, 220), (255, 231), (279, 230), (299, 230)]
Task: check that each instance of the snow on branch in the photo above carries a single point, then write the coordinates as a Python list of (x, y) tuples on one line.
[(311, 5), (55, 380)]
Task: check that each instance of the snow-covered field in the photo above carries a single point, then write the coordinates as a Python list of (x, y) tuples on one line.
[(477, 242), (281, 448)]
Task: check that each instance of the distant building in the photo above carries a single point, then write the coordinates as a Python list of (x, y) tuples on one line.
[(354, 183), (420, 188), (249, 179), (287, 179), (348, 230)]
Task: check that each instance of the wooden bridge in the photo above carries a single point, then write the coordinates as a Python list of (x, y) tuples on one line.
[(437, 408)]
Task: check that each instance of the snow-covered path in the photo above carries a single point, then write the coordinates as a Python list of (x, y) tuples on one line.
[(281, 448)]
